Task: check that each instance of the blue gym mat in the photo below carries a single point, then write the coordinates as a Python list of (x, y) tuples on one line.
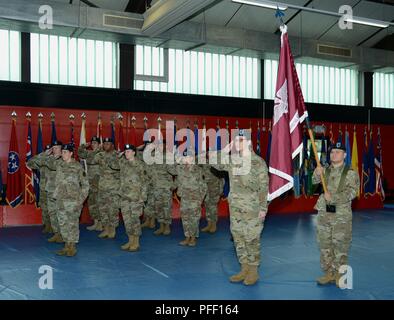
[(164, 270)]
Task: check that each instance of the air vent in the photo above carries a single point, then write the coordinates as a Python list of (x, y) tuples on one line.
[(334, 51), (121, 22)]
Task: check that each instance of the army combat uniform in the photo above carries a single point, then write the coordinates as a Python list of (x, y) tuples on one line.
[(72, 188), (215, 189), (132, 194), (33, 164), (93, 176), (192, 190), (334, 229), (163, 184), (42, 160), (108, 193), (247, 197)]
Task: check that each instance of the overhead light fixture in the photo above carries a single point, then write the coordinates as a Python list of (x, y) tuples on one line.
[(368, 22), (264, 4)]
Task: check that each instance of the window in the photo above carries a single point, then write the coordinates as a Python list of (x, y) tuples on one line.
[(72, 61), (319, 84), (195, 72), (383, 90), (10, 55)]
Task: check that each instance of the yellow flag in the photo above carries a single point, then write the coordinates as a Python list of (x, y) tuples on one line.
[(355, 157)]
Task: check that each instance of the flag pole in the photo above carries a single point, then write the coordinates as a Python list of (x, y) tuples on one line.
[(313, 143)]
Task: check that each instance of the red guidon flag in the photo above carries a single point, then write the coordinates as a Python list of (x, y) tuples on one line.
[(14, 177), (289, 113)]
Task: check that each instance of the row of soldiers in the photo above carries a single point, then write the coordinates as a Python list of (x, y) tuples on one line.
[(123, 180)]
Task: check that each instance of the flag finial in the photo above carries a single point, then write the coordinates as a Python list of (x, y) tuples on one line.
[(13, 114), (52, 116), (71, 117), (28, 115)]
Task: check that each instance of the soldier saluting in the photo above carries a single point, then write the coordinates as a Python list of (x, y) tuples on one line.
[(334, 219)]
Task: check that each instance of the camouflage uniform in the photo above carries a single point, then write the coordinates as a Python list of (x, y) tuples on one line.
[(33, 164), (108, 189), (42, 160), (132, 192), (215, 190), (163, 184), (72, 188), (248, 196), (93, 175), (334, 230), (192, 190)]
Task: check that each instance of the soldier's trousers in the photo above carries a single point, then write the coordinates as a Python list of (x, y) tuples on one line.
[(190, 216), (246, 227), (334, 235), (211, 206), (109, 205), (163, 205), (52, 211), (93, 202), (131, 212), (44, 208), (149, 208), (68, 215)]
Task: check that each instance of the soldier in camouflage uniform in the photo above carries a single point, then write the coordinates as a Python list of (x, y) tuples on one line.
[(41, 160), (132, 193), (163, 184), (191, 189), (248, 205), (149, 206), (108, 190), (334, 219), (215, 190), (72, 188), (93, 175), (32, 164)]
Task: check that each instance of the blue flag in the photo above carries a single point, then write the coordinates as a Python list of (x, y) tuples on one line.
[(113, 133), (218, 140), (1, 186), (267, 158), (348, 159), (36, 173), (53, 134), (196, 140), (258, 149), (370, 184), (340, 137)]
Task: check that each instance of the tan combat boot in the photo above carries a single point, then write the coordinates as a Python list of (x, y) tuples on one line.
[(160, 230), (62, 252), (207, 228), (167, 229), (135, 245), (241, 275), (99, 226), (56, 238), (251, 276), (111, 232), (213, 227), (93, 226), (104, 234), (71, 250), (327, 278), (152, 223), (128, 244), (192, 242), (185, 242)]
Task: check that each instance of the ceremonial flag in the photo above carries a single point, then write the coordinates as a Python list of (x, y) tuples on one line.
[(370, 185), (379, 168), (113, 133), (348, 159), (323, 152), (340, 136), (218, 139), (14, 178), (364, 168), (72, 131), (196, 145), (99, 128), (289, 113), (258, 149), (268, 153), (226, 186), (204, 138), (39, 149), (29, 192), (1, 186), (133, 134), (53, 128), (355, 156)]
